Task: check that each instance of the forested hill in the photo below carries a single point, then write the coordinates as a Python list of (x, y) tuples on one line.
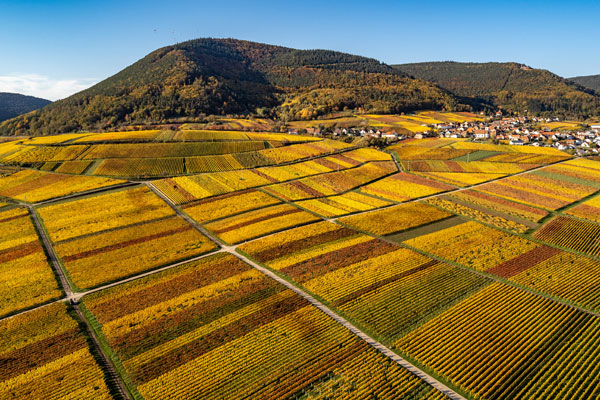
[(590, 82), (13, 104), (227, 76), (513, 86)]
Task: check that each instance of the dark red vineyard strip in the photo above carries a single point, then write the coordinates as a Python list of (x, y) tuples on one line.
[(305, 243), (256, 220), (328, 262), (124, 244), (524, 261), (22, 250)]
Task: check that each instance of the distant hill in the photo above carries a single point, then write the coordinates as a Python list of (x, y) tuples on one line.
[(226, 76), (512, 86), (590, 81), (13, 104)]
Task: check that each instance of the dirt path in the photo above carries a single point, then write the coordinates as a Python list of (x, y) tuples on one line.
[(87, 193), (107, 364), (51, 254), (77, 296)]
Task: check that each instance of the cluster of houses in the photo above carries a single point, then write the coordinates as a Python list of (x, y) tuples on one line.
[(517, 131)]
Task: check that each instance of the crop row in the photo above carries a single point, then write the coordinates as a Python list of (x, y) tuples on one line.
[(186, 135), (143, 167), (571, 233), (492, 340), (530, 213), (503, 343), (461, 179), (129, 136), (229, 204), (107, 256), (95, 214), (504, 149), (161, 150), (546, 189), (407, 153), (216, 328), (473, 245), (76, 167), (386, 288), (588, 210), (183, 190), (480, 167), (33, 154), (527, 158), (558, 273), (414, 152)]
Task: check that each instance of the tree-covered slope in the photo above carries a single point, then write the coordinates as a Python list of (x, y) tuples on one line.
[(227, 76), (512, 86), (13, 104), (590, 81)]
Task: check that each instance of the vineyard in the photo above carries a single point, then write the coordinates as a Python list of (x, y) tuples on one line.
[(589, 210), (347, 203), (574, 234), (260, 222), (45, 356), (218, 328), (395, 219), (473, 245), (253, 265), (26, 277), (404, 186), (332, 183), (34, 186)]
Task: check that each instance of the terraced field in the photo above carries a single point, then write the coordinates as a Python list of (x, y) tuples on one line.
[(231, 265)]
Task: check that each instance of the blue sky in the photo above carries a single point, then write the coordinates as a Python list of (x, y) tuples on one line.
[(55, 48)]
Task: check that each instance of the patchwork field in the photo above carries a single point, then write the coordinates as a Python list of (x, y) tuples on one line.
[(236, 264), (218, 328)]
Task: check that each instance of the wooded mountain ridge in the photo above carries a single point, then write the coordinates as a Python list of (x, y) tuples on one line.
[(512, 86), (189, 81)]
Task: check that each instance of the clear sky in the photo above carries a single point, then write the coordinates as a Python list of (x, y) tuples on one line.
[(55, 48)]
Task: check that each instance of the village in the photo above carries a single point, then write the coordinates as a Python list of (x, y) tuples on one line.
[(516, 131)]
